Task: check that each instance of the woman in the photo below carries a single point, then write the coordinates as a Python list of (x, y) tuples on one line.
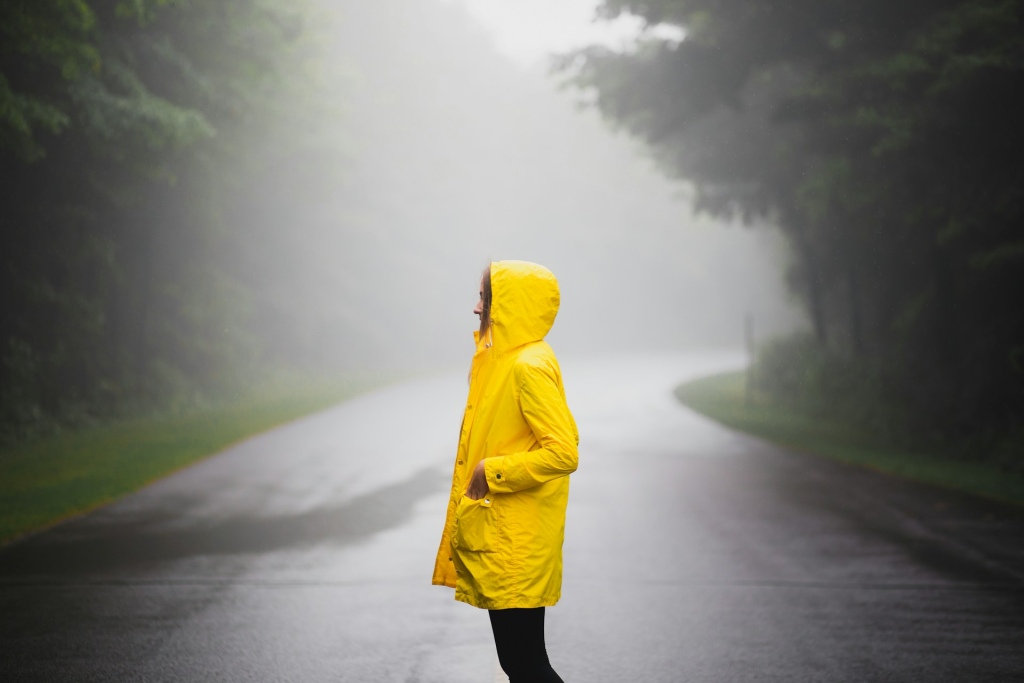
[(501, 549)]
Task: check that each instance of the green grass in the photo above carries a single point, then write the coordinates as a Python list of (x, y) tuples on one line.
[(52, 478), (723, 399)]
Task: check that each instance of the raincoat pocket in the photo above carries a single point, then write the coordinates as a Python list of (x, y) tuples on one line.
[(475, 524)]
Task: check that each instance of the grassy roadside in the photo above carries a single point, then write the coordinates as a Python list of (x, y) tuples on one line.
[(722, 398), (52, 478)]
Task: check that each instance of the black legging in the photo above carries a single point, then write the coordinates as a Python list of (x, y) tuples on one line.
[(519, 638)]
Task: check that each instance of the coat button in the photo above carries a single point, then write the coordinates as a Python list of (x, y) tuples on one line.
[(460, 462), (498, 475)]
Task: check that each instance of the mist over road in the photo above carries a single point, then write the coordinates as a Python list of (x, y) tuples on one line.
[(692, 553)]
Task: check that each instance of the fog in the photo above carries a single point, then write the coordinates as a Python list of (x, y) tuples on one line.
[(455, 154), (205, 197)]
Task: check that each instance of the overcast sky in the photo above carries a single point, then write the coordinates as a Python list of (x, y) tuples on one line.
[(527, 31)]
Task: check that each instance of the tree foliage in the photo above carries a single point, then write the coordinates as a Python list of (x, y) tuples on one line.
[(885, 139), (127, 129)]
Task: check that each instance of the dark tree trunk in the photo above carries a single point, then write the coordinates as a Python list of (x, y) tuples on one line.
[(140, 350), (946, 325), (854, 306), (813, 282)]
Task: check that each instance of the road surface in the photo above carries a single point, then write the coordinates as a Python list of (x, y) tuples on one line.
[(693, 553)]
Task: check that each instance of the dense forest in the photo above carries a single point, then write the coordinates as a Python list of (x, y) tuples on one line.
[(124, 132), (885, 140), (201, 199), (197, 195)]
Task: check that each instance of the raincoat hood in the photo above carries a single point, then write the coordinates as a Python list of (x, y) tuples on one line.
[(524, 303)]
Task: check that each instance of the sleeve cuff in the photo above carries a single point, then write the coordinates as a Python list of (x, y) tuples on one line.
[(494, 471)]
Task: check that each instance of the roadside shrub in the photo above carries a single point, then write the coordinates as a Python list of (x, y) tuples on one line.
[(799, 372), (865, 392)]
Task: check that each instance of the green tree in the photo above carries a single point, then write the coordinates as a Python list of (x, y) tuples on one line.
[(128, 130), (884, 139)]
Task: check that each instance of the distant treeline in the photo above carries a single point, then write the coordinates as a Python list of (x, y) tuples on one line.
[(886, 139), (129, 136)]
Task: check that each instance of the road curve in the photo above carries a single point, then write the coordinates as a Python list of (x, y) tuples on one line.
[(693, 553)]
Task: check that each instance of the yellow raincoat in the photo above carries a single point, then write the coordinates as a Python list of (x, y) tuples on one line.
[(505, 550)]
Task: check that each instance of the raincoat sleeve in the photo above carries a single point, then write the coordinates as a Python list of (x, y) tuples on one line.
[(544, 408)]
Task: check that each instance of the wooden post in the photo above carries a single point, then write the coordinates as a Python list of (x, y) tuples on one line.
[(748, 329)]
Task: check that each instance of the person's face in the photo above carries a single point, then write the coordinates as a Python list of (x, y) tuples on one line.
[(479, 310)]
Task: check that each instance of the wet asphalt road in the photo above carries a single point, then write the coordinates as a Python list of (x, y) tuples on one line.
[(692, 553)]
